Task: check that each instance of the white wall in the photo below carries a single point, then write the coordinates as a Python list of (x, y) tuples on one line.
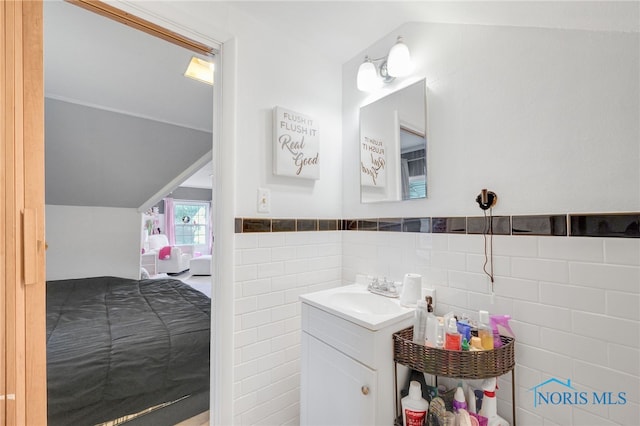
[(92, 241), (574, 304), (273, 69), (547, 119)]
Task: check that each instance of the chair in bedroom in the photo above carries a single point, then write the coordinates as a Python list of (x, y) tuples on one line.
[(178, 260), (200, 265)]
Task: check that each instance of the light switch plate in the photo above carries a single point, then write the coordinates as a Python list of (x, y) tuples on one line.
[(264, 200)]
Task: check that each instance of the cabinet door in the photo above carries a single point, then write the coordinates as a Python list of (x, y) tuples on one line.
[(335, 389)]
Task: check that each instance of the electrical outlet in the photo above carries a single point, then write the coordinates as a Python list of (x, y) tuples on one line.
[(264, 200)]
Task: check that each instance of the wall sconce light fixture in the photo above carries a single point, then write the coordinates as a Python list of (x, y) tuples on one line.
[(396, 64)]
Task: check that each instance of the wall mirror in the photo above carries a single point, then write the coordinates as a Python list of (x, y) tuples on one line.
[(393, 146)]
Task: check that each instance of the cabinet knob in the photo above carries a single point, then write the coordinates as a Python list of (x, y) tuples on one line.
[(365, 390)]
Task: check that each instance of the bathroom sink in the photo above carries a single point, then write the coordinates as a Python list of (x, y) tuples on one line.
[(365, 303), (356, 304)]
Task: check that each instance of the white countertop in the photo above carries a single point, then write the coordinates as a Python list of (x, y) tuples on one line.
[(356, 304)]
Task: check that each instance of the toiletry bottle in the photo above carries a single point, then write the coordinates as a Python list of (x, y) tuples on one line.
[(459, 400), (449, 419), (420, 322), (463, 418), (452, 339), (475, 344), (440, 338), (485, 333), (414, 406), (432, 325), (465, 344), (464, 329), (500, 326), (471, 400), (489, 407)]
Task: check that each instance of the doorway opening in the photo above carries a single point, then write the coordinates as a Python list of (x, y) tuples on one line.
[(91, 194)]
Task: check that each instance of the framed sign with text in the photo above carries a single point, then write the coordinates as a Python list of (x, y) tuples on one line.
[(296, 147)]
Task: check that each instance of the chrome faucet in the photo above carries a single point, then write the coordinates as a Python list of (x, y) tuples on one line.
[(384, 288)]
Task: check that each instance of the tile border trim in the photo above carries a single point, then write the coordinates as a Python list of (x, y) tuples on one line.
[(616, 225)]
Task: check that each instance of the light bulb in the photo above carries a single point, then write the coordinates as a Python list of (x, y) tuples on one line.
[(367, 79), (399, 60)]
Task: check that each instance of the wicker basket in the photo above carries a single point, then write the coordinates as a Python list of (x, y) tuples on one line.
[(458, 364)]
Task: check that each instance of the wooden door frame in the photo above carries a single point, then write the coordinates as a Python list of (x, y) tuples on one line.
[(22, 268)]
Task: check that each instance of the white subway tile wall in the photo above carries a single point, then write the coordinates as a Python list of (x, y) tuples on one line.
[(574, 303), (271, 271)]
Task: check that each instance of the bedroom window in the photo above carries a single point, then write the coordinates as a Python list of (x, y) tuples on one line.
[(191, 222)]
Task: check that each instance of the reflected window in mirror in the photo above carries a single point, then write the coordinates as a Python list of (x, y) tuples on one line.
[(393, 146), (414, 163)]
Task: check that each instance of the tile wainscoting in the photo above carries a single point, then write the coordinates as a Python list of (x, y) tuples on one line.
[(617, 225), (271, 271), (574, 302)]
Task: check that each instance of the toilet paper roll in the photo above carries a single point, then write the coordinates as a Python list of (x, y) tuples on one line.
[(411, 290)]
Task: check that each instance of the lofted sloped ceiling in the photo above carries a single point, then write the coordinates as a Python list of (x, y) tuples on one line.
[(121, 120), (96, 157), (357, 24)]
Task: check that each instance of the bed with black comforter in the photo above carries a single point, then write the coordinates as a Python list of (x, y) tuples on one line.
[(116, 346)]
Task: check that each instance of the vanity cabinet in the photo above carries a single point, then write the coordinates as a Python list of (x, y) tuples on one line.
[(339, 389), (347, 369)]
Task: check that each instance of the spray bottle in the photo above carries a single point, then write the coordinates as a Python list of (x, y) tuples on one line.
[(489, 408), (500, 326)]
